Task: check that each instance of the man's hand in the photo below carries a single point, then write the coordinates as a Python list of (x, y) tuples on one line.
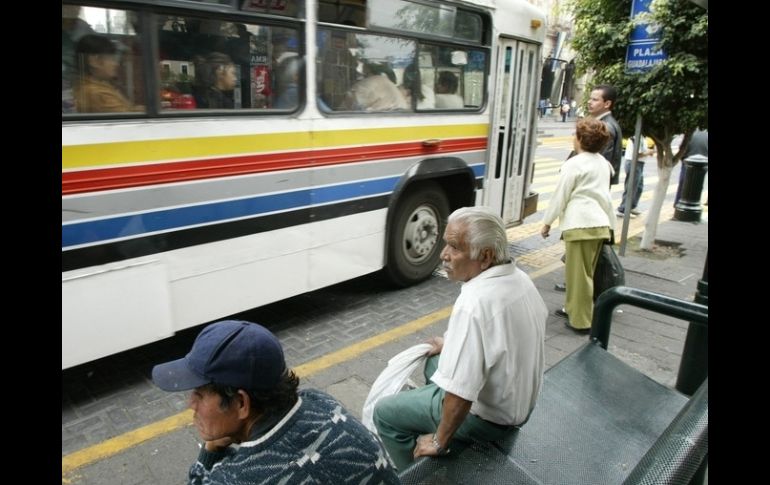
[(424, 446), (437, 343)]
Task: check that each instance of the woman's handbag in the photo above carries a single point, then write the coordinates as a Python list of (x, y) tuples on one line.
[(609, 272)]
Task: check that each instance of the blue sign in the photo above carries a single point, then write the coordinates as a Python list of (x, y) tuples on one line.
[(642, 32), (641, 54)]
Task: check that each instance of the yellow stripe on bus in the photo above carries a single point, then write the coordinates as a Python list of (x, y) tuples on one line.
[(117, 153)]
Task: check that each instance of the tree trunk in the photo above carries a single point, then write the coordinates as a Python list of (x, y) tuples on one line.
[(651, 225)]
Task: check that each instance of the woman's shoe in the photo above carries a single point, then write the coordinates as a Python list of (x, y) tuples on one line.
[(561, 312), (576, 330)]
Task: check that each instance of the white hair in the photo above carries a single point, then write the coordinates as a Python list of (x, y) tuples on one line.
[(483, 229)]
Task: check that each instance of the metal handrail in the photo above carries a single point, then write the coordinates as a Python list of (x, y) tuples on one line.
[(619, 295)]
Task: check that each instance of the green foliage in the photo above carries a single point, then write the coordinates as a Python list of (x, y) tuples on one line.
[(673, 96)]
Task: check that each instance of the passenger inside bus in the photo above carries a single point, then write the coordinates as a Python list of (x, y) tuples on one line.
[(376, 92), (417, 94), (98, 64), (337, 68), (215, 80), (446, 91), (73, 28), (286, 66), (287, 83)]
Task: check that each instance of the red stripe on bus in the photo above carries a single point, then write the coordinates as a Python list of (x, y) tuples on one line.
[(162, 173)]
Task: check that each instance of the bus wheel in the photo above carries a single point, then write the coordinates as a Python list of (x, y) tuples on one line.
[(416, 237)]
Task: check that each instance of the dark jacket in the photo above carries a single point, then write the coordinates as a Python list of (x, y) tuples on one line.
[(613, 152), (317, 441), (699, 144), (213, 98)]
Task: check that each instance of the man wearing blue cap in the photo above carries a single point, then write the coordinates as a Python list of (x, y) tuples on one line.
[(257, 427)]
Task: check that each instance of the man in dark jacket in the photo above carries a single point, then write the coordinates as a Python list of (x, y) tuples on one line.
[(600, 106)]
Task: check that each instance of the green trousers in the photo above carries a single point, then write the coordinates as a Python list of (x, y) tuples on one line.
[(581, 258), (404, 416)]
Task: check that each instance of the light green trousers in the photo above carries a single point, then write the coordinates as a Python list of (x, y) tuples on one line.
[(582, 248), (404, 416)]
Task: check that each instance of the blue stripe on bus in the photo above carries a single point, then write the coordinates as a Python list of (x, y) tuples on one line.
[(169, 219), (112, 251)]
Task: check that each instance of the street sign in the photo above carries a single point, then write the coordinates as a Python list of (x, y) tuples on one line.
[(642, 32), (641, 54)]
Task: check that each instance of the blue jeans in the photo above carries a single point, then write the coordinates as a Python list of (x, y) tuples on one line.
[(639, 180)]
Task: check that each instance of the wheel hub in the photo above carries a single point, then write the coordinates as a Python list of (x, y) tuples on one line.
[(420, 234)]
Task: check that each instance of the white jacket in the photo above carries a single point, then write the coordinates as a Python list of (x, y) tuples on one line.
[(582, 195)]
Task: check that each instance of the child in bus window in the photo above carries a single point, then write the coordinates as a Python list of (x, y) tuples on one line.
[(98, 65), (215, 80)]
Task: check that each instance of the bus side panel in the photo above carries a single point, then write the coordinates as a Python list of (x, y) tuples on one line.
[(97, 320), (209, 281), (247, 272), (347, 247)]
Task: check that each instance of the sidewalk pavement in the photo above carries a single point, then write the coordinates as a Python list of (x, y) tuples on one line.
[(649, 342)]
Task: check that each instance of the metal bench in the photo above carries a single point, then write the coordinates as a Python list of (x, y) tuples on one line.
[(597, 420)]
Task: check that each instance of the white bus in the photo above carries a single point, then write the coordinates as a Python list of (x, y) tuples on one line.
[(219, 155)]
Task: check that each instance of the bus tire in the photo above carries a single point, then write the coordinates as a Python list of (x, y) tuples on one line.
[(416, 237)]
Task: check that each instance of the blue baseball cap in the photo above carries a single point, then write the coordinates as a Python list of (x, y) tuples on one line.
[(234, 353)]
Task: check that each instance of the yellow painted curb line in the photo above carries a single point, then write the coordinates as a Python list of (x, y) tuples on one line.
[(117, 444), (342, 355)]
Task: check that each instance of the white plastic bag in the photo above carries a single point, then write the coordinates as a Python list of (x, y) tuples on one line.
[(392, 379)]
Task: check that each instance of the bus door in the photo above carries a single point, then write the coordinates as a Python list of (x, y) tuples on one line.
[(511, 152)]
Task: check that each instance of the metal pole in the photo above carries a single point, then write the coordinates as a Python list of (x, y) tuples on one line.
[(631, 184), (694, 367)]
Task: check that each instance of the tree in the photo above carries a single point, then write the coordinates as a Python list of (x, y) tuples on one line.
[(672, 97)]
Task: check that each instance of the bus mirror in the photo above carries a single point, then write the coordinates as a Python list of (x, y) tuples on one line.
[(459, 58)]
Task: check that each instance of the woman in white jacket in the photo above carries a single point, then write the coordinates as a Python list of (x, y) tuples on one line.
[(583, 206)]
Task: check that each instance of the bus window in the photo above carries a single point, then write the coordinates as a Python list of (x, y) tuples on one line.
[(101, 61), (289, 8), (456, 76), (346, 12), (210, 64), (421, 17), (363, 72)]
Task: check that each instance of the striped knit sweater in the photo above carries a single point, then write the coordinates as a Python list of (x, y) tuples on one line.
[(316, 442)]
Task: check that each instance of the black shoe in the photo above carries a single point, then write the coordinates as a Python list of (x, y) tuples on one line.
[(561, 313), (560, 287), (581, 331)]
